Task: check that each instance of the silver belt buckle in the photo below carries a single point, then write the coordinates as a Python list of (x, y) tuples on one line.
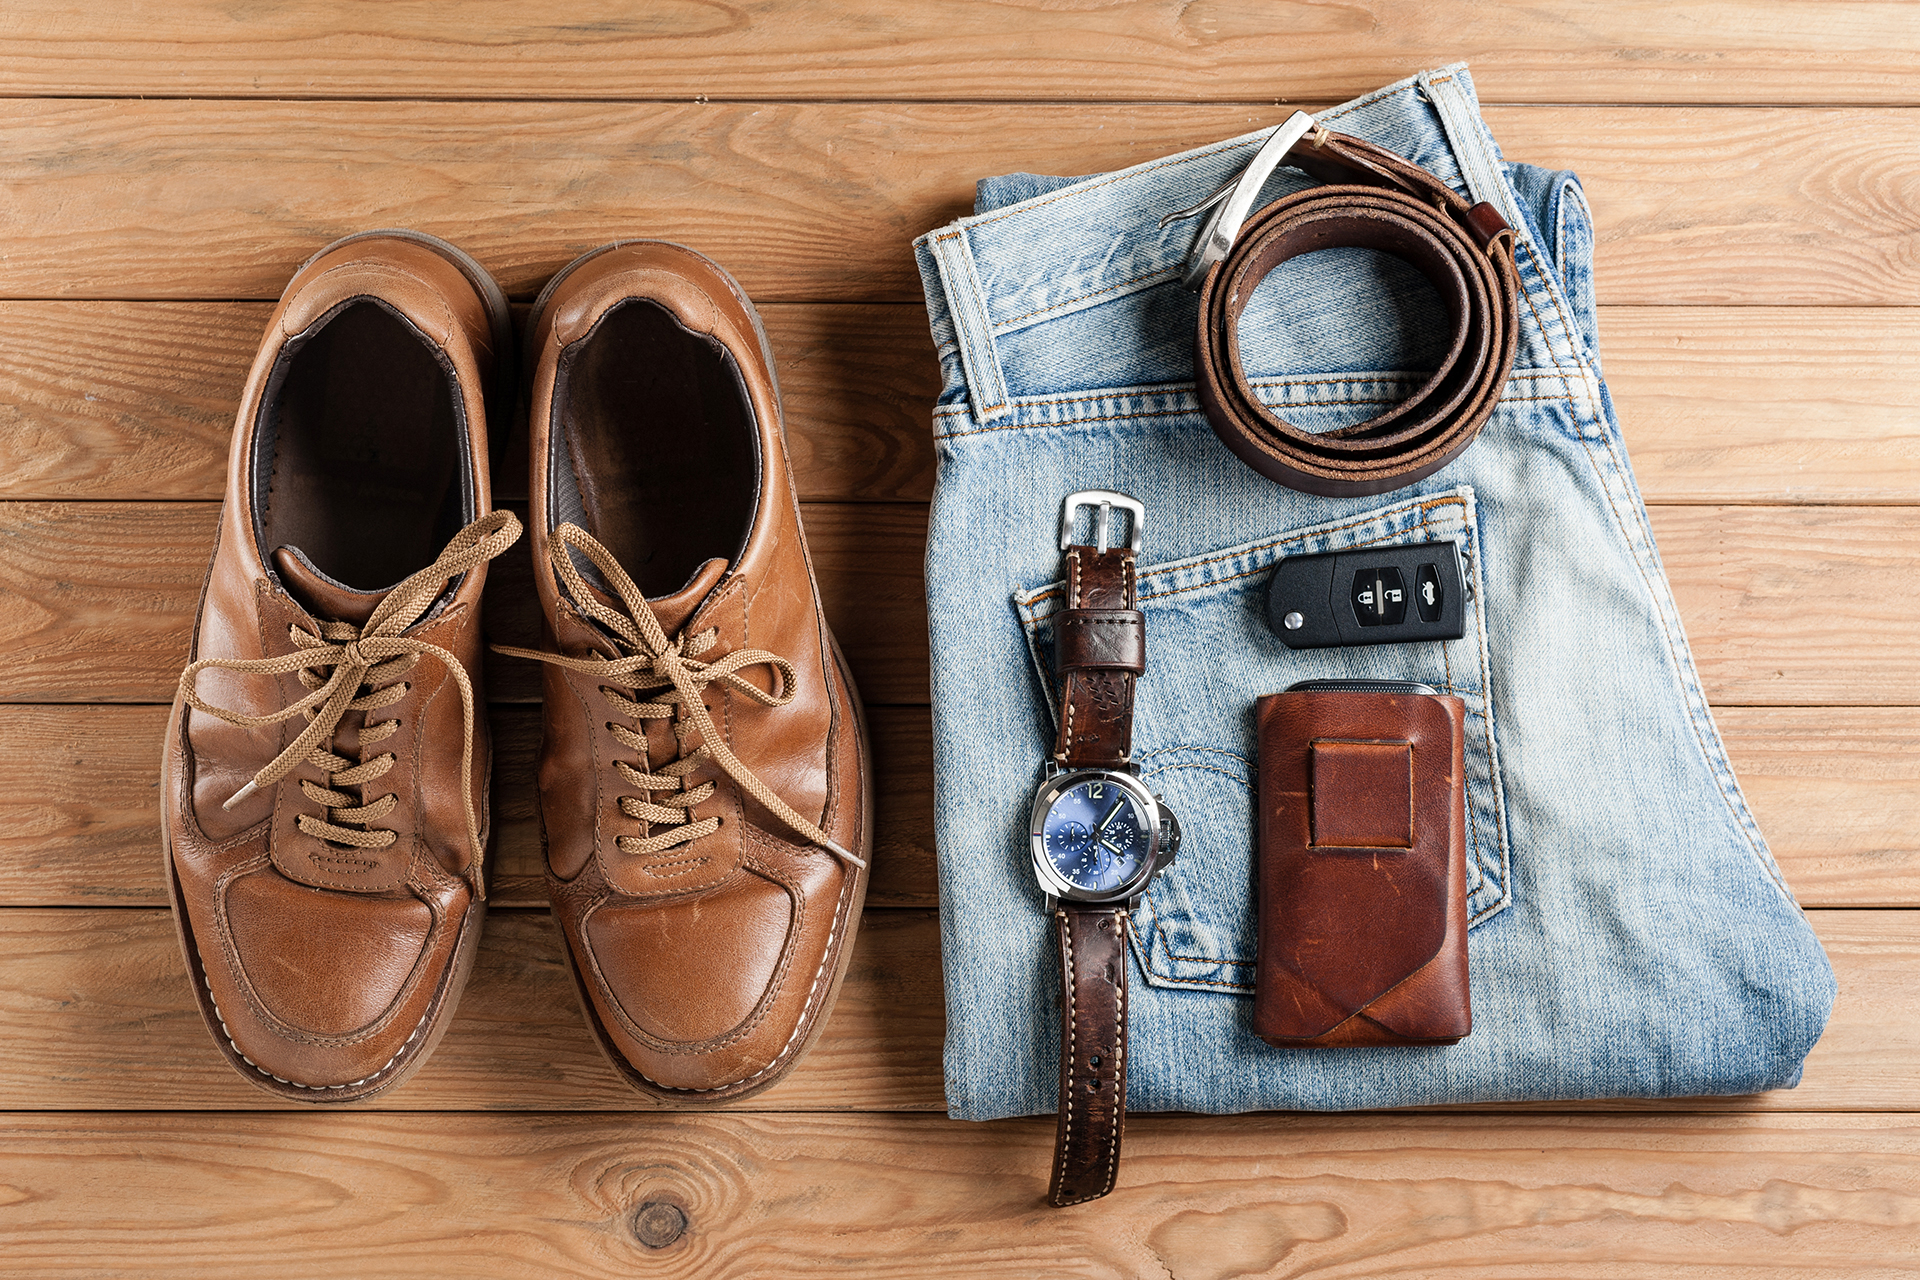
[(1234, 201), (1103, 501)]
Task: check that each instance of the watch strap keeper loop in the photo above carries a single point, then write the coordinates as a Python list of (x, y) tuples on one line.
[(1101, 640)]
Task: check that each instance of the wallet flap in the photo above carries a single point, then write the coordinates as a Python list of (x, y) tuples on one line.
[(1358, 821)]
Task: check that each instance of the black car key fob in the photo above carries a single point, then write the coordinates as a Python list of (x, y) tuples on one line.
[(1370, 595)]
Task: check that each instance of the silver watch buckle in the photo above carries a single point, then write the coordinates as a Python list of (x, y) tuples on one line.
[(1103, 502), (1234, 200)]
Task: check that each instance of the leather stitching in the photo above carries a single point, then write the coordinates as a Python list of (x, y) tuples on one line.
[(272, 1021), (806, 1011), (667, 868), (733, 1035), (1121, 919), (1068, 703), (206, 986), (1070, 1060), (1068, 1018)]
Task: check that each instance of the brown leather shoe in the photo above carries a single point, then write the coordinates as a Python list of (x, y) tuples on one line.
[(324, 781), (703, 784)]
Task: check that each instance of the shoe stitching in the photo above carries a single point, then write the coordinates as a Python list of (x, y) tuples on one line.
[(802, 1023), (278, 1025), (800, 1026), (227, 1034)]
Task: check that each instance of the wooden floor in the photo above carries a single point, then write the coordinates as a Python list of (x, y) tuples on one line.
[(1754, 168)]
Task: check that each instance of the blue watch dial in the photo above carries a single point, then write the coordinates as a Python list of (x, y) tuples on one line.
[(1095, 836)]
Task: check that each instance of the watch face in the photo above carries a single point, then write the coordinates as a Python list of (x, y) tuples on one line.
[(1095, 835)]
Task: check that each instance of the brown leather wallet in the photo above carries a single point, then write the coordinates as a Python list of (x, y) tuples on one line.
[(1362, 867)]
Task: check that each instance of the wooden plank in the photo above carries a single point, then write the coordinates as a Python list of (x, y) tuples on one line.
[(1797, 605), (1834, 792), (1787, 606), (97, 599), (96, 1013), (725, 1196), (1586, 51), (121, 400), (818, 202), (1767, 404), (1836, 228), (135, 400), (79, 819)]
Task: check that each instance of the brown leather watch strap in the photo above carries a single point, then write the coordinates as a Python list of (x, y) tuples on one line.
[(1378, 201), (1099, 648), (1093, 1052)]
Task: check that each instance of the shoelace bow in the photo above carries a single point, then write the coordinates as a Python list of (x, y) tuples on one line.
[(371, 658), (665, 799)]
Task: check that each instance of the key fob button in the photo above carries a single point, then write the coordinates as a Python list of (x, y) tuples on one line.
[(1379, 597), (1429, 597)]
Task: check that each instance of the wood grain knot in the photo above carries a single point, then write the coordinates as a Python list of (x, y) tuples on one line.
[(658, 1224)]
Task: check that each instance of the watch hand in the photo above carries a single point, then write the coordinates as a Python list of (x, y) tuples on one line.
[(1117, 804)]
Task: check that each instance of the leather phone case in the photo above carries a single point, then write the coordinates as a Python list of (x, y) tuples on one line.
[(1362, 870)]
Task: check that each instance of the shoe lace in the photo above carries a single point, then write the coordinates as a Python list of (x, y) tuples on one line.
[(363, 665), (654, 662)]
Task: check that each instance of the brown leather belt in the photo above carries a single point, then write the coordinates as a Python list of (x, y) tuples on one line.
[(1375, 200)]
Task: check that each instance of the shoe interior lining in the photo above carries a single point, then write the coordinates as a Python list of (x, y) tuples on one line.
[(655, 451), (361, 444)]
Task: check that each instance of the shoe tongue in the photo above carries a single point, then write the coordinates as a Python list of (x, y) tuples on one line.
[(674, 610), (322, 596)]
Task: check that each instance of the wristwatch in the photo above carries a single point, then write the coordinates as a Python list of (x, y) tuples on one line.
[(1099, 838)]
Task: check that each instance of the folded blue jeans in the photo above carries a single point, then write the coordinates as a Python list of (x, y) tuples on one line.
[(1631, 935)]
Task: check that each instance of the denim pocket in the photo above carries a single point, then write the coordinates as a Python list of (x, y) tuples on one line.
[(1210, 654)]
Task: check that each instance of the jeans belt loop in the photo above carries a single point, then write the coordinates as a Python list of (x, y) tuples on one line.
[(972, 325)]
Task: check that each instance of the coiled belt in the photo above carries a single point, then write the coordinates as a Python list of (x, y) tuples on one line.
[(1375, 200)]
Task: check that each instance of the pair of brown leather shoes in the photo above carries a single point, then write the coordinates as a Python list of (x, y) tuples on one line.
[(704, 787)]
